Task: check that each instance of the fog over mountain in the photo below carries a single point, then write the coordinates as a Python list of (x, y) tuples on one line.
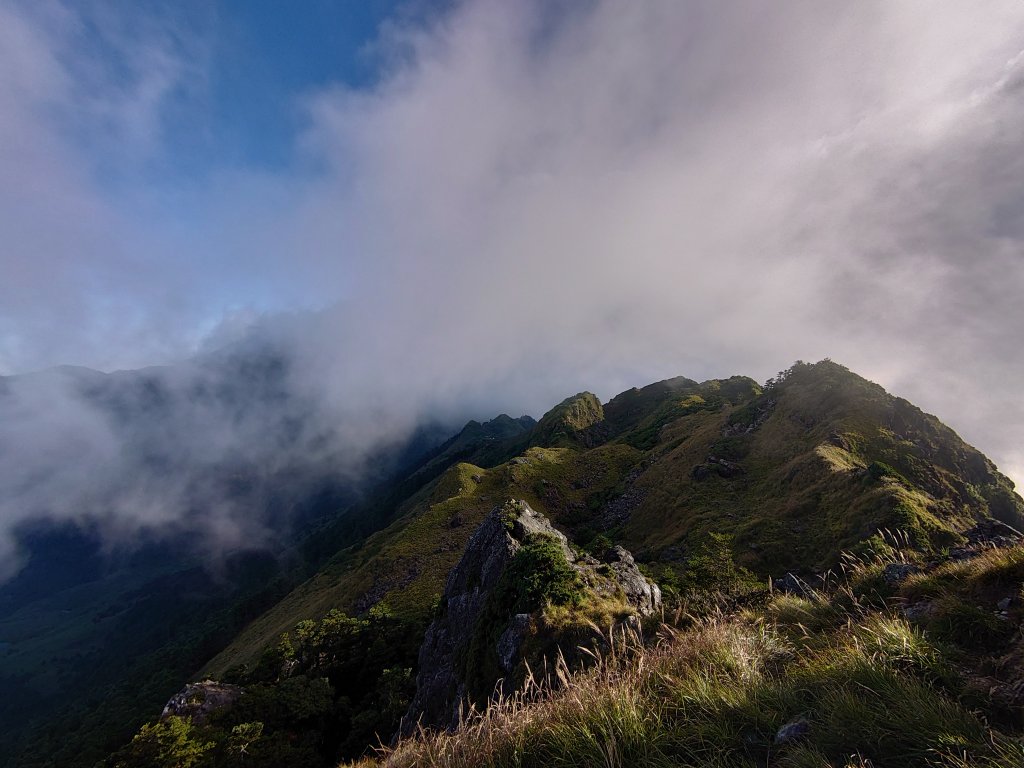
[(527, 199)]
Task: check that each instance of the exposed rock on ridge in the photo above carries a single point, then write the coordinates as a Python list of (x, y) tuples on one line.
[(643, 595), (199, 700), (441, 686)]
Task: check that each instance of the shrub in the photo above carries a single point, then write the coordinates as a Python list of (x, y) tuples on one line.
[(712, 568), (539, 573), (170, 743), (877, 470)]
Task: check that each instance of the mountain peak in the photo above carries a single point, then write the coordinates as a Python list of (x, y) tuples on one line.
[(571, 422)]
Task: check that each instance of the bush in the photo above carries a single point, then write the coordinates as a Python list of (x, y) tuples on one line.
[(538, 574), (712, 568), (170, 743), (879, 469)]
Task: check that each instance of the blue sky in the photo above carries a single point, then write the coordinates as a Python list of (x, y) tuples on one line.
[(264, 54), (498, 203), (254, 62)]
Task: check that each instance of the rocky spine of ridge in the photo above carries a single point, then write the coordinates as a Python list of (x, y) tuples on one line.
[(442, 690)]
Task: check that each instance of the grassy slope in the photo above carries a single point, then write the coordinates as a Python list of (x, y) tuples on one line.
[(346, 577), (857, 683), (405, 565), (804, 492)]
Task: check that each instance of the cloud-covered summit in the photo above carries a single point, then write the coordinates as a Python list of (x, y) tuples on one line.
[(537, 198)]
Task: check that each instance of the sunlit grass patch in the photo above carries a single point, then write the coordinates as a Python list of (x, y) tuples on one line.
[(716, 693)]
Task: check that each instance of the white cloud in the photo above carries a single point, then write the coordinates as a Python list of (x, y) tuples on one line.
[(536, 201), (688, 187)]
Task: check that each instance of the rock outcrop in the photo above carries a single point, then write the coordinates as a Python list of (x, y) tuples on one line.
[(441, 685), (643, 595), (198, 701)]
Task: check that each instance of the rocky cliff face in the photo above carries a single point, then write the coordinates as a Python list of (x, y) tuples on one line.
[(473, 613)]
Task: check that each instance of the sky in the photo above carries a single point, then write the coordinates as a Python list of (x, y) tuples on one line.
[(484, 206)]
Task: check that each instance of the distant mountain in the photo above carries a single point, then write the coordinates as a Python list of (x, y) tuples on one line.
[(155, 513)]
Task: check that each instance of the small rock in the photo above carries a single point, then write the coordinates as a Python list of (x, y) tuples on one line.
[(839, 440), (618, 554), (1004, 604), (642, 594), (995, 533), (896, 573), (724, 467), (918, 611), (791, 585), (701, 472), (794, 730), (287, 667), (959, 554)]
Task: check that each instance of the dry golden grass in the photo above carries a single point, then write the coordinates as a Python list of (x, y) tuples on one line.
[(717, 692)]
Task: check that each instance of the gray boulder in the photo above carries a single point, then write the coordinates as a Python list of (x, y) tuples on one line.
[(198, 701), (642, 594), (511, 641), (795, 730), (897, 573), (441, 686)]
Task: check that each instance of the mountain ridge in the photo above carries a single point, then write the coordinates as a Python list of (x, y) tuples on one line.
[(786, 477), (725, 481), (563, 482)]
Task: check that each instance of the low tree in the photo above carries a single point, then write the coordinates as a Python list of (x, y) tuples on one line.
[(170, 743)]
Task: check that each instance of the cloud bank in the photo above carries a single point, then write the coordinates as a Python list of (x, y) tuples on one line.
[(538, 198)]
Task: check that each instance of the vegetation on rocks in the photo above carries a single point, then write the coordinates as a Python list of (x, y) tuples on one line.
[(735, 498), (324, 691), (827, 678)]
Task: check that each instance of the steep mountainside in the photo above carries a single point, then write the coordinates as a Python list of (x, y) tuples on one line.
[(713, 481), (814, 464), (94, 636)]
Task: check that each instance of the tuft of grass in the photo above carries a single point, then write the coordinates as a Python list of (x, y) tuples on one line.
[(993, 569), (905, 647), (809, 614), (962, 596), (717, 692), (968, 625)]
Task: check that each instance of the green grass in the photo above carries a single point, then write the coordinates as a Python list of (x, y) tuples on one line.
[(403, 567), (804, 496), (567, 424), (717, 693), (963, 596), (872, 687), (713, 690), (806, 492), (991, 574)]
